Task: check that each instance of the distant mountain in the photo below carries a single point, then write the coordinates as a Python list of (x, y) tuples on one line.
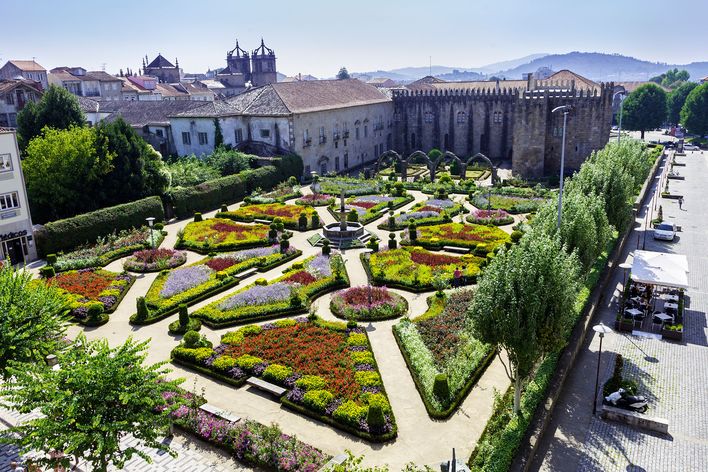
[(491, 69), (604, 67)]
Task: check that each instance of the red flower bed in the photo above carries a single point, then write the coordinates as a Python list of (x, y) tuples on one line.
[(302, 277), (430, 208), (308, 350), (229, 228), (366, 205), (441, 334), (88, 284), (360, 295), (151, 256), (221, 263), (433, 260)]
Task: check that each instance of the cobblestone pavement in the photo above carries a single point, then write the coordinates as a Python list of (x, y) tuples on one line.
[(672, 375)]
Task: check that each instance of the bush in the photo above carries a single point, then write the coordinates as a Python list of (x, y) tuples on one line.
[(441, 388), (392, 243), (375, 418), (349, 413), (412, 232), (191, 339), (318, 399), (224, 363), (213, 193), (143, 312), (315, 220), (198, 217), (52, 258), (311, 382), (326, 250), (183, 315), (224, 208), (516, 235), (47, 272), (176, 326), (277, 373), (64, 235), (353, 216)]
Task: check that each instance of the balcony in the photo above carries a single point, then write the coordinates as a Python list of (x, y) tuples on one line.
[(345, 135), (307, 142), (323, 139), (335, 136), (378, 126)]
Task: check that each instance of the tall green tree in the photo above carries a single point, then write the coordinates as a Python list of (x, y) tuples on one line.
[(97, 397), (343, 74), (137, 169), (63, 169), (56, 109), (672, 78), (676, 99), (32, 319), (645, 108), (218, 134), (694, 114), (524, 303)]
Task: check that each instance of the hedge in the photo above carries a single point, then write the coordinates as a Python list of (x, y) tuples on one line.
[(67, 234), (211, 194)]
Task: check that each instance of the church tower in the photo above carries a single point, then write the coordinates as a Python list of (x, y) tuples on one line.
[(263, 61), (238, 62)]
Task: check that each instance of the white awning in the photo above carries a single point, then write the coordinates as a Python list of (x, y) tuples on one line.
[(660, 268)]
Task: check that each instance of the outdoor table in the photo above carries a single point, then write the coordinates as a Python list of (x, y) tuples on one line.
[(664, 317), (637, 299), (671, 305), (674, 298), (633, 311)]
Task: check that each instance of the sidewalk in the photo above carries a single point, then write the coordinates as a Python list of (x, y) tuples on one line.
[(672, 375)]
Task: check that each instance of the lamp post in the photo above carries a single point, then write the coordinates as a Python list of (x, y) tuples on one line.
[(619, 128), (151, 221), (565, 109), (625, 266), (602, 330)]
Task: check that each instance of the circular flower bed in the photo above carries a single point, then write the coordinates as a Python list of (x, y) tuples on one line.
[(490, 217), (368, 303), (154, 260)]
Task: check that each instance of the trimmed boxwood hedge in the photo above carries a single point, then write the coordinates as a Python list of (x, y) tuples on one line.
[(67, 234), (212, 193)]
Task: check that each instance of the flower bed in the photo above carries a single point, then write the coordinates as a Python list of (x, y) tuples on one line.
[(249, 441), (430, 212), (437, 343), (368, 303), (207, 277), (282, 192), (328, 368), (92, 293), (513, 200), (350, 186), (490, 217), (289, 214), (154, 260), (219, 234), (414, 268), (108, 249), (288, 294), (315, 199), (369, 207), (484, 239)]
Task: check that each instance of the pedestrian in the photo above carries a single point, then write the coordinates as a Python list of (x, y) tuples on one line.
[(680, 203), (457, 277)]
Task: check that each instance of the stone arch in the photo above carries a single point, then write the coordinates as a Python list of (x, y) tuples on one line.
[(480, 156), (390, 157), (323, 165)]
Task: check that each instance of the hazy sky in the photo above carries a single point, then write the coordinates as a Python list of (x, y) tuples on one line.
[(318, 37)]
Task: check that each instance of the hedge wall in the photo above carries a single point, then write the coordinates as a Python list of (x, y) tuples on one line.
[(210, 195), (64, 235)]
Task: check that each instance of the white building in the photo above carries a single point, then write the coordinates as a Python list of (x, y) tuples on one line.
[(16, 238), (334, 125)]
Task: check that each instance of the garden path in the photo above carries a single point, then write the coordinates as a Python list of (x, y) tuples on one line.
[(420, 440)]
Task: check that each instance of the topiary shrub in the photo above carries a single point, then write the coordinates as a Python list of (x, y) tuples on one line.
[(302, 221), (191, 339), (353, 216), (516, 235), (412, 232), (224, 208), (392, 243), (375, 418), (197, 216), (295, 300), (47, 272), (284, 245), (315, 220), (261, 281), (183, 315), (221, 275), (143, 311), (94, 315), (441, 388), (326, 250), (272, 233), (373, 244), (318, 400), (51, 259)]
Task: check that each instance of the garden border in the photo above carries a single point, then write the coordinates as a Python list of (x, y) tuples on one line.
[(105, 316), (377, 215), (385, 318)]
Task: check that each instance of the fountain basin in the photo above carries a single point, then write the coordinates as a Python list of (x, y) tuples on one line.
[(334, 232)]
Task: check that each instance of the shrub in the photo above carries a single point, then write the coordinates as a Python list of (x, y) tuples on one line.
[(93, 315), (353, 216), (302, 221), (441, 388), (311, 382), (516, 235), (277, 373), (349, 413), (318, 399), (392, 244), (191, 339), (261, 281), (198, 217), (197, 355), (412, 232), (368, 379), (326, 250), (375, 418), (143, 312), (183, 315), (248, 361), (315, 220), (224, 363), (66, 234), (47, 271), (224, 208), (52, 258)]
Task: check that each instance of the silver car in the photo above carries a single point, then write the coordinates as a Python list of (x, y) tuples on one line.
[(665, 231)]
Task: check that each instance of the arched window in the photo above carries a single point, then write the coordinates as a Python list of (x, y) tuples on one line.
[(461, 117)]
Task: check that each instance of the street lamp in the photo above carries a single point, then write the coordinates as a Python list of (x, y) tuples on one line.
[(565, 109), (625, 266), (602, 330), (151, 221), (622, 95)]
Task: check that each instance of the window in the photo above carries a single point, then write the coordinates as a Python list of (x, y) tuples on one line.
[(9, 201), (428, 117), (498, 117), (306, 138), (356, 132), (336, 163), (186, 138), (346, 160), (10, 99), (323, 138), (13, 120), (265, 133), (366, 131), (5, 162), (203, 139), (461, 117), (158, 133), (238, 135)]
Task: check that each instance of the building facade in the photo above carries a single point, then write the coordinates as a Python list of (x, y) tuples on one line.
[(14, 95), (16, 237), (83, 83), (506, 120), (29, 70)]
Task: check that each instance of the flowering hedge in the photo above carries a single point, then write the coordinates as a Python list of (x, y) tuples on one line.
[(207, 277), (415, 268), (289, 214), (369, 207), (315, 199), (368, 303), (350, 186), (483, 238), (282, 192), (285, 295), (92, 293), (153, 260), (430, 212), (513, 200), (438, 342), (108, 249), (490, 217), (219, 234), (328, 368)]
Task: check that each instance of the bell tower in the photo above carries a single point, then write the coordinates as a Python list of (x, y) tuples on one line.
[(238, 62), (263, 62)]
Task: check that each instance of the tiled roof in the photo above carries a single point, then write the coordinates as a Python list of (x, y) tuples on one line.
[(10, 84), (160, 61), (168, 90), (152, 112), (478, 85), (580, 81), (425, 83), (102, 76), (88, 105), (29, 66)]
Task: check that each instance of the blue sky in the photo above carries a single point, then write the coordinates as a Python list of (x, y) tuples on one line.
[(318, 37)]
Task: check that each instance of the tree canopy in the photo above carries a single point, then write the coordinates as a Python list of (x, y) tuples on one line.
[(644, 109), (676, 99), (96, 397), (672, 78), (32, 322), (524, 303), (343, 74), (694, 114), (57, 108)]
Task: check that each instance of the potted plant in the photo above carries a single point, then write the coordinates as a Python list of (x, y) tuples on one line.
[(673, 332)]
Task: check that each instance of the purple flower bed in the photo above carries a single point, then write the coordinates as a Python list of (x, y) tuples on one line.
[(319, 266), (438, 203), (183, 279), (258, 295), (416, 215), (247, 254)]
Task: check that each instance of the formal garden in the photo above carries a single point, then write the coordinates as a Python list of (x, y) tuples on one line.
[(481, 239), (292, 216), (222, 234), (430, 212)]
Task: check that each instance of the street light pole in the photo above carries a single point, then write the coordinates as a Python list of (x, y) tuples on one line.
[(565, 109), (601, 329), (150, 221)]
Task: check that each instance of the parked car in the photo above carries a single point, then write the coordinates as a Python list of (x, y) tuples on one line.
[(665, 231), (691, 147)]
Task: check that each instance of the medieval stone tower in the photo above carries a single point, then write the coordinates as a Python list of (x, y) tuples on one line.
[(238, 61), (163, 69), (263, 66)]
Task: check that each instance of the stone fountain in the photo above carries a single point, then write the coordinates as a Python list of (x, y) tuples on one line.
[(344, 232)]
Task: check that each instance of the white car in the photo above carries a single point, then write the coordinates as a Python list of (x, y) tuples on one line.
[(665, 231), (691, 147)]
